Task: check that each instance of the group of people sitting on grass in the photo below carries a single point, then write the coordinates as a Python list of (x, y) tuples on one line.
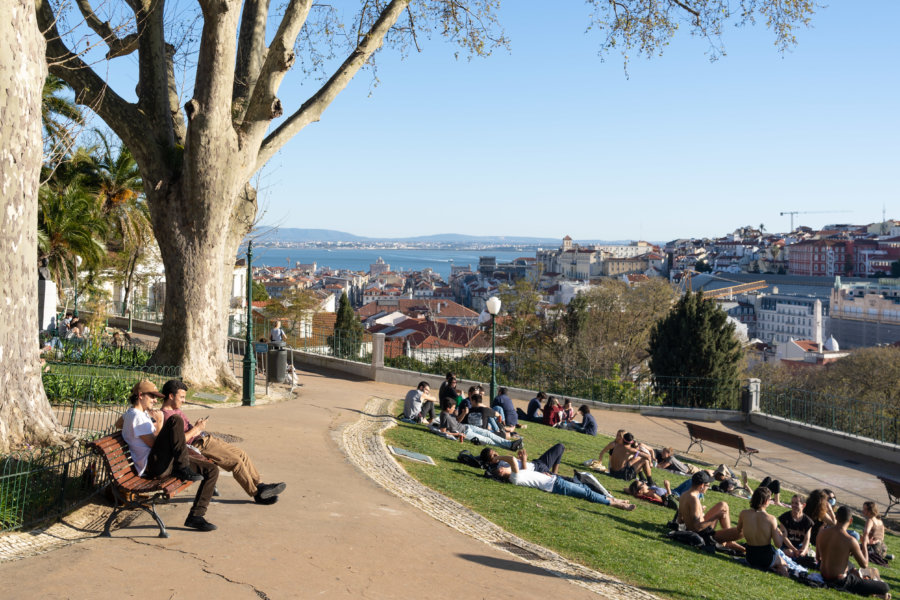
[(554, 415), (164, 443), (783, 545)]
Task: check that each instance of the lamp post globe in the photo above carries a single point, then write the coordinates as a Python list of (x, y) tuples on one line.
[(493, 308)]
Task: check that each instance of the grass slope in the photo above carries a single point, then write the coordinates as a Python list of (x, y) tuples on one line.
[(628, 545)]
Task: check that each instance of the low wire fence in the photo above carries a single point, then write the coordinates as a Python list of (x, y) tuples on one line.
[(40, 484), (95, 350), (873, 420)]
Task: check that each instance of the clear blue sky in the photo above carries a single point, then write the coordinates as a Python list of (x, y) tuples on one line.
[(548, 140)]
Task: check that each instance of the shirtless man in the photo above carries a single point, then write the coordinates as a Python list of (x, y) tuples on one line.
[(690, 511), (834, 547), (760, 529), (628, 458)]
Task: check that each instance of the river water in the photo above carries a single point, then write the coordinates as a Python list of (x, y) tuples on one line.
[(356, 259)]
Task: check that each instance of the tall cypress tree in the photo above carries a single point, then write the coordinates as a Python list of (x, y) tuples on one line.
[(694, 355), (348, 332)]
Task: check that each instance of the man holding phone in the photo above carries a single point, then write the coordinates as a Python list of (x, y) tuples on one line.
[(226, 456)]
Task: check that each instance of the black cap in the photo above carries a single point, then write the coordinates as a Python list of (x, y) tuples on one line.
[(701, 477)]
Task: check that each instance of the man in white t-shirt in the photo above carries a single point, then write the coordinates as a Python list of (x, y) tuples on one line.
[(554, 484), (158, 449)]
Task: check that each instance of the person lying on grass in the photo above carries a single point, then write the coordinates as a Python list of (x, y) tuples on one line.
[(650, 493), (450, 426), (691, 512), (554, 484)]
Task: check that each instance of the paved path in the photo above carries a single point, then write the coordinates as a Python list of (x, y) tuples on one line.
[(351, 523)]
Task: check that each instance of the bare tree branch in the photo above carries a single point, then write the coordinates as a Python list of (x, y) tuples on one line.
[(90, 89), (117, 46), (312, 109), (263, 104), (251, 52)]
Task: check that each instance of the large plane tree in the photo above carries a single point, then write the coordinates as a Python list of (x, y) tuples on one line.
[(197, 154)]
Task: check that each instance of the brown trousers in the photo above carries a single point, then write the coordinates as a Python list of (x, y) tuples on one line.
[(230, 458)]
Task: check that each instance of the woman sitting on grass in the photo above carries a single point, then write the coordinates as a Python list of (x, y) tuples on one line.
[(552, 412)]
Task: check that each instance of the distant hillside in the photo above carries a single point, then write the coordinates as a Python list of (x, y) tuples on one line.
[(294, 235)]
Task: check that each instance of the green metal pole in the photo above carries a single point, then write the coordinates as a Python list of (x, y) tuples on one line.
[(493, 361), (249, 398)]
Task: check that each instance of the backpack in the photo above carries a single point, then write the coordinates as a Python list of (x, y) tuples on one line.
[(469, 459)]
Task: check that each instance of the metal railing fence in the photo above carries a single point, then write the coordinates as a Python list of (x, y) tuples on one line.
[(872, 420), (560, 378)]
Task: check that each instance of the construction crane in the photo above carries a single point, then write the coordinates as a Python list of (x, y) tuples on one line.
[(808, 212)]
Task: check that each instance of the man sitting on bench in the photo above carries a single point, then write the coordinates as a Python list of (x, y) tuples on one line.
[(160, 450), (222, 454)]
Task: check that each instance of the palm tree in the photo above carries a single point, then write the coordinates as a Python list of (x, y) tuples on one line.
[(58, 116), (69, 225), (119, 186)]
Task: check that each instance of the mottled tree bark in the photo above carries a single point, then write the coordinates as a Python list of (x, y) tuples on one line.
[(25, 415)]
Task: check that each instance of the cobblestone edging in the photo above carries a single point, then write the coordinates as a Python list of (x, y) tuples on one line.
[(85, 523), (364, 446)]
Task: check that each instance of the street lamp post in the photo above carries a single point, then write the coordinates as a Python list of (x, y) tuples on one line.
[(493, 308), (77, 264), (249, 398)]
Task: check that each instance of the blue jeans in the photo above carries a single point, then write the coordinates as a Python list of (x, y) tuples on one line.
[(486, 437), (577, 490)]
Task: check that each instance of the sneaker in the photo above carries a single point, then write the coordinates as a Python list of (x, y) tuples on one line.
[(264, 491), (516, 445), (267, 501), (187, 474), (199, 523)]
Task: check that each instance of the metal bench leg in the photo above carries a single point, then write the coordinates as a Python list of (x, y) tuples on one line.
[(693, 441), (109, 522), (746, 455), (162, 526)]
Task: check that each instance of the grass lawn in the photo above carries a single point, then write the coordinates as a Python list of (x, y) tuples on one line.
[(628, 545)]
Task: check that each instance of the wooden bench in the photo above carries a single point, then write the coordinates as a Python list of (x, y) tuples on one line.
[(129, 490), (700, 434), (893, 491)]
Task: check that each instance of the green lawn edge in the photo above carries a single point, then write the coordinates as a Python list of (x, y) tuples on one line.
[(628, 545)]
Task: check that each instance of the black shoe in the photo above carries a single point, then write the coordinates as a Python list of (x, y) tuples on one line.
[(187, 474), (476, 441), (216, 491), (267, 501), (516, 445), (199, 523), (264, 491)]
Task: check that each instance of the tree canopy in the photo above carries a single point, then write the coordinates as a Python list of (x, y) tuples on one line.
[(695, 355)]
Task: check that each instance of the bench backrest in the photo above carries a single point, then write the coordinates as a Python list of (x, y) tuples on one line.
[(717, 436), (892, 486)]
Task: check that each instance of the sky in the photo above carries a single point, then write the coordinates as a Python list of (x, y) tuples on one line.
[(548, 139)]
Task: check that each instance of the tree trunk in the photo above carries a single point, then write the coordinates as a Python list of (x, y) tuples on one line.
[(198, 242), (25, 415)]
